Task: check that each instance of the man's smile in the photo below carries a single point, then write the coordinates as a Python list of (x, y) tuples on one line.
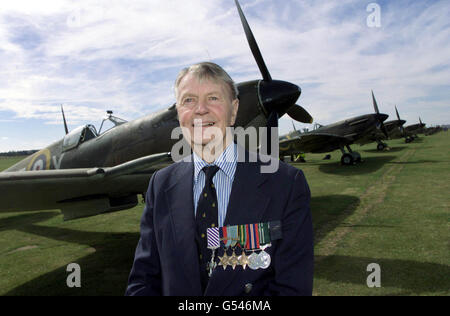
[(200, 123)]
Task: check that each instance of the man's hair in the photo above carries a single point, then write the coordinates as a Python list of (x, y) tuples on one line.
[(208, 71)]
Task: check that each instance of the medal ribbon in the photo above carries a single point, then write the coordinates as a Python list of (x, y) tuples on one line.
[(213, 237), (257, 236), (242, 236), (227, 236), (223, 235), (254, 236), (247, 237), (233, 235), (264, 236), (266, 233)]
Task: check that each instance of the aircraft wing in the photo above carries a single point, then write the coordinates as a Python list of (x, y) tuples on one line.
[(313, 143), (79, 192)]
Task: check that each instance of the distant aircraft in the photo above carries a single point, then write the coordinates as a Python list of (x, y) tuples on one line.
[(432, 130), (394, 129), (413, 130), (90, 172), (335, 136), (401, 132)]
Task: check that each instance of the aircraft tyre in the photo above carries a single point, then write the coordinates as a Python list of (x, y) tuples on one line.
[(381, 146), (347, 159)]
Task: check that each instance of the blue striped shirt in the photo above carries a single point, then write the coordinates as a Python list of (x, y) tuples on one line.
[(222, 180)]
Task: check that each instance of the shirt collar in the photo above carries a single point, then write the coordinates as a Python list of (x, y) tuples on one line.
[(226, 162)]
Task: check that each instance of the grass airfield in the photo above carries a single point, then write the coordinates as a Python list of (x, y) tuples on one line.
[(392, 209)]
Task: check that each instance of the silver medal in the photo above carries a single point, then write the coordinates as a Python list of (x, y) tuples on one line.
[(264, 260), (253, 261)]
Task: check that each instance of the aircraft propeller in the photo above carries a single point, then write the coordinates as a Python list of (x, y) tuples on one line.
[(278, 97), (380, 123), (64, 119), (401, 126)]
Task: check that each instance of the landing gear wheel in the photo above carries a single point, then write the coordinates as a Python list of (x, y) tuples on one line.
[(381, 146), (347, 160), (408, 140)]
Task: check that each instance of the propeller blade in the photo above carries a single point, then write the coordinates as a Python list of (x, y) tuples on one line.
[(272, 121), (299, 114), (253, 45), (398, 115), (380, 121), (64, 119), (420, 121), (375, 105)]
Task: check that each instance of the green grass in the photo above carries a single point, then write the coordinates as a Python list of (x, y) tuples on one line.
[(392, 209)]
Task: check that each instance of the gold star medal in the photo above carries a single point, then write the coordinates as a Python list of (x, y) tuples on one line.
[(243, 259), (233, 260), (224, 260)]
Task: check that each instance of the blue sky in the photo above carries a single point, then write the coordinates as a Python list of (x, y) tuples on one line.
[(92, 56)]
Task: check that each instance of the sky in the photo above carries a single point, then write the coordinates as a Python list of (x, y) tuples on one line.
[(92, 56)]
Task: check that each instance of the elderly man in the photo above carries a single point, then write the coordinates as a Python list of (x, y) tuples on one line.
[(215, 224)]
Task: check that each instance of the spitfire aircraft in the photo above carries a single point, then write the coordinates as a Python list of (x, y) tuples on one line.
[(394, 129), (335, 136), (400, 132), (413, 130), (433, 130), (90, 172)]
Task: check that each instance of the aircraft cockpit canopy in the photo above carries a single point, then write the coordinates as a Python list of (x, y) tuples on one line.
[(78, 136), (317, 125)]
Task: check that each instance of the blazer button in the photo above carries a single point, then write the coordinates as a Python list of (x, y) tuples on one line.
[(248, 287)]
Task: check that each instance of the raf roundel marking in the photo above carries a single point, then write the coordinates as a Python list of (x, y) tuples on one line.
[(40, 161)]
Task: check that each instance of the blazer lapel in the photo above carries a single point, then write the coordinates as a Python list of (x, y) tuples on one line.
[(246, 205), (180, 200)]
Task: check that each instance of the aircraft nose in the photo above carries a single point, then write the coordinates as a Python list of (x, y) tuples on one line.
[(278, 95), (383, 116)]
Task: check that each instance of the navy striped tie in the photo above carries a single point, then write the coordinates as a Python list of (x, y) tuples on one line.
[(207, 216)]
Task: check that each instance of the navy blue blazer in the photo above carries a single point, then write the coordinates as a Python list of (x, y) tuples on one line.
[(166, 260)]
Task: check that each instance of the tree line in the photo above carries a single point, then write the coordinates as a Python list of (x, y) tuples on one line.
[(17, 153)]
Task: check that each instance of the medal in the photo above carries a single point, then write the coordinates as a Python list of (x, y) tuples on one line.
[(224, 260), (243, 260), (253, 261), (233, 260), (213, 244), (233, 237), (264, 257), (225, 242), (253, 243)]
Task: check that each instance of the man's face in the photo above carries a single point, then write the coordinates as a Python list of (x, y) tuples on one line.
[(204, 107)]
